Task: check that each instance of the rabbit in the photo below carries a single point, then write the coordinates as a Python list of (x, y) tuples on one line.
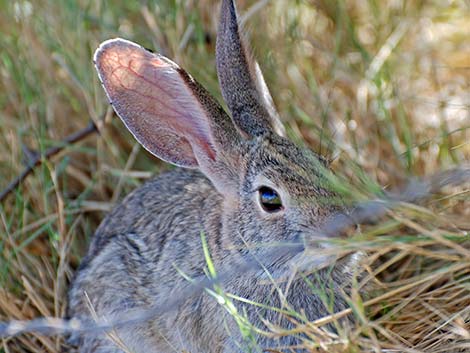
[(240, 182)]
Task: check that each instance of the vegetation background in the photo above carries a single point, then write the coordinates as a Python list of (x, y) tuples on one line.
[(380, 87)]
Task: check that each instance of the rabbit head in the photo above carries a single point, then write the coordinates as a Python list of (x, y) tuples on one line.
[(272, 190)]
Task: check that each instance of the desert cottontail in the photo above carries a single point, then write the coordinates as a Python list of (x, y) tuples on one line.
[(241, 184)]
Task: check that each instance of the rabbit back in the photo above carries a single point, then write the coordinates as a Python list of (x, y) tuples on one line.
[(136, 255)]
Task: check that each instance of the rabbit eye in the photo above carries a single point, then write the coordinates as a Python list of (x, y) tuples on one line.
[(269, 199)]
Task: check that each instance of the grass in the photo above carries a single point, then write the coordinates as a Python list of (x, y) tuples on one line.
[(379, 87)]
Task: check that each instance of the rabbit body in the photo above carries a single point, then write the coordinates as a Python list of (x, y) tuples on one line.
[(247, 188), (131, 264)]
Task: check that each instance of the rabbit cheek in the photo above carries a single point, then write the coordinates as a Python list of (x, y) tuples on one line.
[(262, 227)]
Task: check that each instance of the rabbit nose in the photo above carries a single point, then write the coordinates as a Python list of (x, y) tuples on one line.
[(340, 225)]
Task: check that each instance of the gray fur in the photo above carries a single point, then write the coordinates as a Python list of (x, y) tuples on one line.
[(241, 81), (137, 252)]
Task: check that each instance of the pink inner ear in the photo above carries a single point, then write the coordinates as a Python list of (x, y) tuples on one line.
[(155, 102)]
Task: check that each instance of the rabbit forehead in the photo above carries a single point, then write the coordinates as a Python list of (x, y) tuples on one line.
[(278, 162)]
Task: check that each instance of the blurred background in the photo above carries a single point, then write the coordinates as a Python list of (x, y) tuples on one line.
[(381, 88)]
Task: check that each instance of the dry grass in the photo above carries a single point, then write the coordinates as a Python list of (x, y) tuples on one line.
[(381, 87)]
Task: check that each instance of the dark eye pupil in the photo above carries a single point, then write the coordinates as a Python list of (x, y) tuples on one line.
[(269, 199)]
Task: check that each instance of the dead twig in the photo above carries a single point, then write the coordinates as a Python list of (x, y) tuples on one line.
[(36, 159)]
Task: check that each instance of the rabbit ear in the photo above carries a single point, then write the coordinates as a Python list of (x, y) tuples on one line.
[(168, 112), (241, 81)]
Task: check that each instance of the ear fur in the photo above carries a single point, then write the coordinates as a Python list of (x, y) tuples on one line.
[(165, 109), (241, 81), (158, 102)]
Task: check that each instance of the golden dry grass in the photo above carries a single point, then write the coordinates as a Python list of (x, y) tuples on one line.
[(381, 87)]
